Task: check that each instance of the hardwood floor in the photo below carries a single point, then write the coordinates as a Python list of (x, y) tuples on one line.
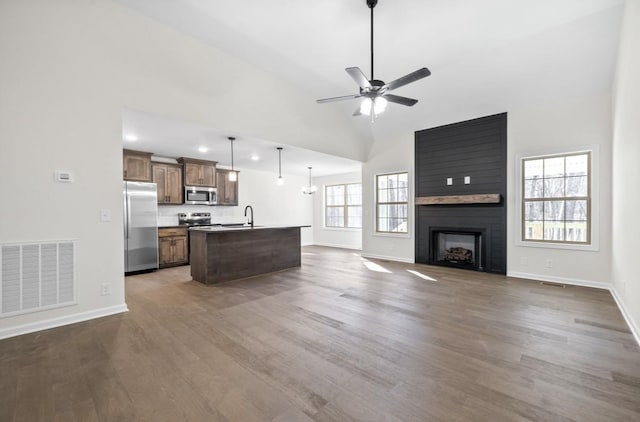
[(339, 339)]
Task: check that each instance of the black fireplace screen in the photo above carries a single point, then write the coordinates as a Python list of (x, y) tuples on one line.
[(458, 248)]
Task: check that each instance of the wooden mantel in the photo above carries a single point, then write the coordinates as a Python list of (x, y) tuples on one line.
[(483, 198)]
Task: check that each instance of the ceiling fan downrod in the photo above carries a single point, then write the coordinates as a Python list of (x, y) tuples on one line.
[(372, 4)]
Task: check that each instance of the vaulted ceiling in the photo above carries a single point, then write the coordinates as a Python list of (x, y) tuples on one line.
[(485, 56)]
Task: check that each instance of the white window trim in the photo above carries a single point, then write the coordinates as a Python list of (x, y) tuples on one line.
[(324, 208), (410, 206), (595, 200)]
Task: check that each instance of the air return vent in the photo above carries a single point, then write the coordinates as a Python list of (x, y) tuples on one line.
[(36, 276)]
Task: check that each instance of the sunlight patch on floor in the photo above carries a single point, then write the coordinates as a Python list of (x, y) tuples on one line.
[(423, 276)]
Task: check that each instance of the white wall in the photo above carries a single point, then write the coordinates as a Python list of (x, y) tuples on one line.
[(68, 69), (335, 237), (626, 168), (272, 204), (554, 128), (557, 126), (394, 155)]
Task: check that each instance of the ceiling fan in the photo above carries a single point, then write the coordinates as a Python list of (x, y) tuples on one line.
[(376, 92)]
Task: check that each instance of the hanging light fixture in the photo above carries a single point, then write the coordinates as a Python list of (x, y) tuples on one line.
[(233, 176), (280, 179), (309, 190), (373, 107)]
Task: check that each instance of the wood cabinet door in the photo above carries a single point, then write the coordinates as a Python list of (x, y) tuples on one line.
[(174, 190), (180, 250), (160, 179), (166, 251), (227, 190), (136, 167), (209, 175), (192, 174), (221, 176)]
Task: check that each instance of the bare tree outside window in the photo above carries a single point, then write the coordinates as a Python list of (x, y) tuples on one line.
[(343, 205), (556, 198), (392, 196)]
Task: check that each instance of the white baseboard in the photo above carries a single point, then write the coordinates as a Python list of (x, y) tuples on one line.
[(626, 314), (561, 280), (585, 283), (388, 258), (60, 321), (335, 245)]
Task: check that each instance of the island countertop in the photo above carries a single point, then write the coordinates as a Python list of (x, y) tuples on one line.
[(219, 253), (222, 228)]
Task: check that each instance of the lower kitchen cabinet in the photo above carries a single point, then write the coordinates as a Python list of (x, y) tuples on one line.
[(173, 245)]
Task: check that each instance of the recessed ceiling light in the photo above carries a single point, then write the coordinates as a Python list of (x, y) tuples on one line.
[(203, 149), (131, 137), (254, 157)]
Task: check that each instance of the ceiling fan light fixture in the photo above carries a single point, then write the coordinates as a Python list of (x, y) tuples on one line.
[(374, 89), (365, 107)]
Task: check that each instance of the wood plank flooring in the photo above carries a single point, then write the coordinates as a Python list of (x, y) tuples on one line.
[(340, 339)]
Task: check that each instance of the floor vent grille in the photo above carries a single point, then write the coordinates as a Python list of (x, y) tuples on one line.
[(36, 276)]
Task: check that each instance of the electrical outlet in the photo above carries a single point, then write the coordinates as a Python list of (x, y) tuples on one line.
[(449, 181), (105, 214), (549, 263), (467, 180), (105, 289)]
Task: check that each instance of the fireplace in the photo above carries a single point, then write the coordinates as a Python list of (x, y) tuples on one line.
[(458, 247)]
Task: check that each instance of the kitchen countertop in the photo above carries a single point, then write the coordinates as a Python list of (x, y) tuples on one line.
[(217, 229)]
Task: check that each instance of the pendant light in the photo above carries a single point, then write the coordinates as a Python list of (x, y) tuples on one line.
[(280, 179), (233, 176), (309, 190)]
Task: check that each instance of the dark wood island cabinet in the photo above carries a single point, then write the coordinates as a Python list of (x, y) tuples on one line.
[(220, 254)]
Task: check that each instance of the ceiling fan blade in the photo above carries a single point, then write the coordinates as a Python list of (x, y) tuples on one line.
[(359, 77), (332, 99), (407, 79), (400, 100)]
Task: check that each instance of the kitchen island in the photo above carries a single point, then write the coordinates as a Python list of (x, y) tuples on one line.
[(220, 254)]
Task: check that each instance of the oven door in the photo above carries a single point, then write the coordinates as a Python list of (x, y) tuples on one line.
[(196, 195)]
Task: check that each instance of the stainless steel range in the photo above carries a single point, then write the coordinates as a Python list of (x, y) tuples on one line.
[(195, 218)]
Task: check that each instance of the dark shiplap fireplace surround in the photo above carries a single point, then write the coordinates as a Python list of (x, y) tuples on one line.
[(447, 203)]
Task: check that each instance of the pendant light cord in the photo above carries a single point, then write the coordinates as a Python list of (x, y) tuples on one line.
[(231, 154), (280, 162)]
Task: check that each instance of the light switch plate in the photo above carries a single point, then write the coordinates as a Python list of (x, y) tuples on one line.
[(467, 180), (64, 176), (449, 181)]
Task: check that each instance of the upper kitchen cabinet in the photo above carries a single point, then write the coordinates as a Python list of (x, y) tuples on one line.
[(136, 165), (199, 172), (227, 190), (168, 177)]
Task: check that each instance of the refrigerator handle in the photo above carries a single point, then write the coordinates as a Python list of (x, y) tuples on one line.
[(128, 217)]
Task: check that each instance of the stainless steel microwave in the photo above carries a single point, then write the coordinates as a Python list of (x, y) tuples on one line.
[(198, 195)]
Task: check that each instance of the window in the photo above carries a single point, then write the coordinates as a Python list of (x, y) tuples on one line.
[(556, 198), (392, 195), (343, 205)]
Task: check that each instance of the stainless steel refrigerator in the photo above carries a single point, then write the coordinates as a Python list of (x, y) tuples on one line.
[(140, 226)]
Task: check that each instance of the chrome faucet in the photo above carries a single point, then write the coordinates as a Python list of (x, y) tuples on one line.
[(249, 207)]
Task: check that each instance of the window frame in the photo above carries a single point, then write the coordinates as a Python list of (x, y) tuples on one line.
[(592, 204), (345, 207), (377, 231)]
